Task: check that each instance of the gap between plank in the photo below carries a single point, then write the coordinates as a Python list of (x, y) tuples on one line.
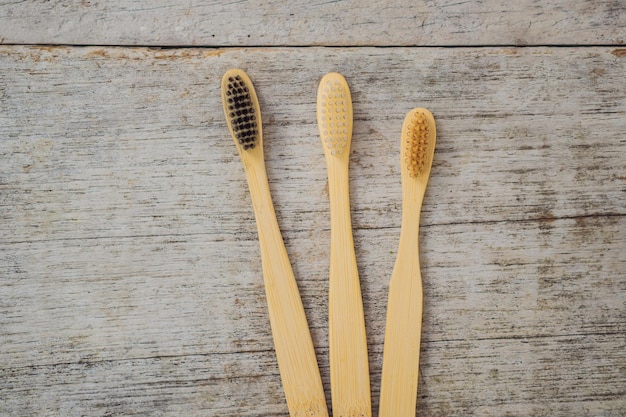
[(349, 46)]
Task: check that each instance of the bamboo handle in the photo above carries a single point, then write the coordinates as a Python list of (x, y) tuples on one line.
[(292, 340), (401, 352), (349, 369), (398, 392)]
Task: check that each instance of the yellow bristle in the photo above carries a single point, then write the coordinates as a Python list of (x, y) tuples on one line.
[(416, 144)]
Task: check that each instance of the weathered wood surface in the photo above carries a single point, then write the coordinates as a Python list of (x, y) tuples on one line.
[(130, 281), (304, 22)]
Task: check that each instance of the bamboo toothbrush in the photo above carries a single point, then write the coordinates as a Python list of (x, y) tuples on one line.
[(398, 388), (349, 369), (294, 348)]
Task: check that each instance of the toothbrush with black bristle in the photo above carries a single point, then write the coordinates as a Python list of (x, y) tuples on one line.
[(398, 387), (297, 363), (349, 368)]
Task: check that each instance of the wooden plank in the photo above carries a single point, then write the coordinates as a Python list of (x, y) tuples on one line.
[(546, 125), (129, 269), (363, 23), (543, 336)]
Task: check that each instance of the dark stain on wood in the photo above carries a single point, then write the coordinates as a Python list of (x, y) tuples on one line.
[(619, 52)]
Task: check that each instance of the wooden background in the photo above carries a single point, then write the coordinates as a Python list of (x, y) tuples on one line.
[(130, 280)]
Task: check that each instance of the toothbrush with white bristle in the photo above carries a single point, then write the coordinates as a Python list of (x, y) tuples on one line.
[(349, 368)]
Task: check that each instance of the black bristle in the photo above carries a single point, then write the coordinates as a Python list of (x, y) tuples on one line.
[(241, 112)]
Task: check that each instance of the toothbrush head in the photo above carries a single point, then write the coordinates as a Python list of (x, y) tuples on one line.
[(334, 114), (418, 142), (241, 108)]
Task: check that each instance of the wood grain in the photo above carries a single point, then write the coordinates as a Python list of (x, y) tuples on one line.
[(301, 22), (130, 280)]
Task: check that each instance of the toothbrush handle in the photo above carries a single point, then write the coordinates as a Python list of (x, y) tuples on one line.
[(292, 340), (398, 388), (349, 368)]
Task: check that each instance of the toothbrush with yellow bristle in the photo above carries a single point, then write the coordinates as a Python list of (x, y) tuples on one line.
[(398, 388), (349, 369), (297, 363)]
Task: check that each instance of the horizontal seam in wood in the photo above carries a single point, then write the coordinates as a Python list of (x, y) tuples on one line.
[(425, 225), (322, 350), (145, 358), (531, 220), (295, 46), (524, 337)]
